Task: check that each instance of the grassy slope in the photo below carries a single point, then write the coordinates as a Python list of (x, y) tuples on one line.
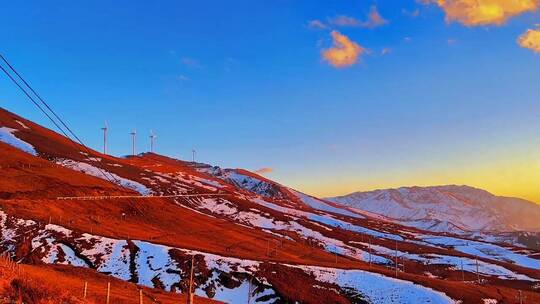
[(54, 284)]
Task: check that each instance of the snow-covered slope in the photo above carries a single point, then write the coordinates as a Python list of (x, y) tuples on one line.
[(224, 278), (246, 180), (456, 209)]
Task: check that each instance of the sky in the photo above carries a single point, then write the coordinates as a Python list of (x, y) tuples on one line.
[(328, 97)]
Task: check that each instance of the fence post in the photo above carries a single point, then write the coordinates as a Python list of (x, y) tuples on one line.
[(108, 291), (462, 273), (396, 257), (477, 273), (85, 289), (369, 249), (20, 299), (190, 294), (249, 290), (140, 296)]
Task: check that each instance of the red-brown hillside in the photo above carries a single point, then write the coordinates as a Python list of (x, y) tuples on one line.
[(243, 231)]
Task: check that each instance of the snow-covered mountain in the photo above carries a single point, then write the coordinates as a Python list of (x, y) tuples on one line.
[(457, 209)]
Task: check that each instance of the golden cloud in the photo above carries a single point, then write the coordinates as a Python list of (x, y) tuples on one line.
[(263, 171), (531, 40), (374, 19), (343, 20), (484, 12), (344, 51)]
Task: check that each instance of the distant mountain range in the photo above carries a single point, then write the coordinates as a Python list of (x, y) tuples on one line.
[(456, 209)]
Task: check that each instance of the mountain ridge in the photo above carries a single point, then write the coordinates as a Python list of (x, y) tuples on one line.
[(447, 203)]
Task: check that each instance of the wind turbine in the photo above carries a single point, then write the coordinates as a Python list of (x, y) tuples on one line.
[(105, 129), (152, 139), (133, 139), (193, 155)]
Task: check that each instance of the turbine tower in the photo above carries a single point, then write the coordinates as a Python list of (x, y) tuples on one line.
[(105, 129), (133, 139), (152, 139), (193, 155)]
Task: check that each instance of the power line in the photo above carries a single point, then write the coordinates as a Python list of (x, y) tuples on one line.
[(41, 99), (113, 180), (33, 101)]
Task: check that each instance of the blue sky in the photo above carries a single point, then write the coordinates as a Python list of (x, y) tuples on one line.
[(245, 84)]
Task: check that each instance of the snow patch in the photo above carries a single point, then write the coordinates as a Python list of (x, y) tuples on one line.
[(485, 250), (7, 136), (377, 288), (101, 173)]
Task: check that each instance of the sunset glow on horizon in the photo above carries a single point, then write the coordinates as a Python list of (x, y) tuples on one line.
[(515, 174)]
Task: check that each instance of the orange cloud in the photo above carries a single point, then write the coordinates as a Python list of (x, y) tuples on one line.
[(263, 171), (344, 52), (343, 20), (531, 40), (374, 19), (484, 12)]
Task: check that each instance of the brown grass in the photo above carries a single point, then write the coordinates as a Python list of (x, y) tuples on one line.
[(17, 286), (58, 284)]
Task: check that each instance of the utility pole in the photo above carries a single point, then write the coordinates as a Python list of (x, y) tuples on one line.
[(462, 273), (190, 293), (105, 129), (249, 291), (396, 260), (152, 138), (108, 291), (477, 274), (133, 139), (369, 250)]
